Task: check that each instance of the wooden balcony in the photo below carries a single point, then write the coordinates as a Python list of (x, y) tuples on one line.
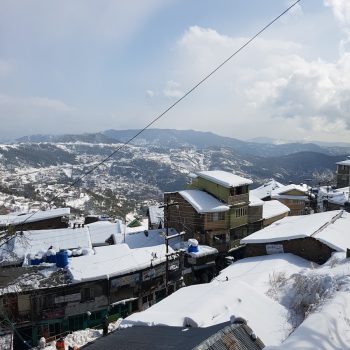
[(238, 199)]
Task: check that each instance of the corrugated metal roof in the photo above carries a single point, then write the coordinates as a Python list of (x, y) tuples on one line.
[(219, 337), (232, 337)]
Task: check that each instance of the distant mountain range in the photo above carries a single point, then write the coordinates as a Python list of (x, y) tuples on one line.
[(171, 138), (158, 160)]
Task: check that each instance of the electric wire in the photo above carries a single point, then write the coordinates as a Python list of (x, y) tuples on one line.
[(205, 78)]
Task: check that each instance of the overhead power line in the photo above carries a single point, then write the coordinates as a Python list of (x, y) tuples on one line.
[(154, 120), (181, 98)]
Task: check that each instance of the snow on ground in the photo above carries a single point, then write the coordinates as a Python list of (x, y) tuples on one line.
[(285, 299), (323, 294), (81, 338)]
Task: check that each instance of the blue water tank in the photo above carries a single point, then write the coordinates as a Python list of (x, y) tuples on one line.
[(34, 261), (51, 259), (192, 249), (62, 259)]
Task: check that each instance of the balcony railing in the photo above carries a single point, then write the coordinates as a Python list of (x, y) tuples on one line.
[(238, 199)]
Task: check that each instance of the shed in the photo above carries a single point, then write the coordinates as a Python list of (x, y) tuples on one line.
[(314, 237)]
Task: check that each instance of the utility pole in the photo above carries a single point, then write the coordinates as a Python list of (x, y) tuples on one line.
[(166, 206)]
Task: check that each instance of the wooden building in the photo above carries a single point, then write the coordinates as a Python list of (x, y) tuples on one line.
[(39, 220), (343, 174), (313, 237), (219, 228), (295, 197)]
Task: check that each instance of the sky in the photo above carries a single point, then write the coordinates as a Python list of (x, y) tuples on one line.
[(87, 66)]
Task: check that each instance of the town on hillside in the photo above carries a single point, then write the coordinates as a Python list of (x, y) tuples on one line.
[(215, 265)]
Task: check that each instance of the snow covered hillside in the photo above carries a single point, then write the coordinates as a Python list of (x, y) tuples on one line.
[(32, 173)]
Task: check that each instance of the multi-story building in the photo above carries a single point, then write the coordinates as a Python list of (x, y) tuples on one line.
[(343, 174), (214, 210)]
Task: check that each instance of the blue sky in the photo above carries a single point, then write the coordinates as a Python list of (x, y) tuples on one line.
[(85, 66)]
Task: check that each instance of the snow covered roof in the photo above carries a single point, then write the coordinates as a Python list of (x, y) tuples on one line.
[(274, 208), (257, 271), (203, 202), (209, 304), (39, 241), (344, 162), (336, 196), (242, 294), (254, 201), (224, 178), (156, 214), (146, 238), (114, 260), (292, 187), (266, 189), (203, 250), (17, 219), (331, 228), (100, 231)]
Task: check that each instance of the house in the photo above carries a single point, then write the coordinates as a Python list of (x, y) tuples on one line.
[(214, 210), (46, 300), (274, 210), (201, 216), (343, 174), (39, 220), (329, 198), (313, 237), (295, 197), (264, 191), (255, 213), (230, 336)]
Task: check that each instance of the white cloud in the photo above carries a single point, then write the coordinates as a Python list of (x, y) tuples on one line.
[(341, 10), (295, 12), (43, 103), (173, 89), (269, 89)]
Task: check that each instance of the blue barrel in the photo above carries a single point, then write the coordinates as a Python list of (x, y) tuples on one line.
[(51, 259), (34, 261), (192, 249), (62, 259)]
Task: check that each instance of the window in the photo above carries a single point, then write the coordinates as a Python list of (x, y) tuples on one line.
[(87, 294), (236, 191), (215, 216), (241, 212)]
